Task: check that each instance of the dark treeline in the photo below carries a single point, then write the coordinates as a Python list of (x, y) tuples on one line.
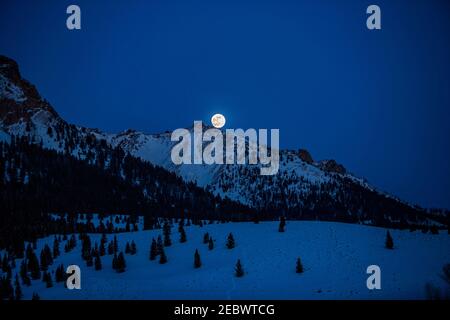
[(36, 181)]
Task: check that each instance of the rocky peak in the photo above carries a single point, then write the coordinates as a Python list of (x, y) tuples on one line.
[(332, 166), (305, 156), (19, 99)]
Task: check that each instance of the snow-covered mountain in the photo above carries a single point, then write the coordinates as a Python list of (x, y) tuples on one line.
[(302, 189)]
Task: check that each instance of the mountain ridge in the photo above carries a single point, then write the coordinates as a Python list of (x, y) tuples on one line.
[(303, 188)]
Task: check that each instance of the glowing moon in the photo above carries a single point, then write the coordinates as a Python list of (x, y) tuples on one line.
[(218, 120)]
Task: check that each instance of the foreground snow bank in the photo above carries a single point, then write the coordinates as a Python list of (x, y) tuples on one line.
[(335, 257)]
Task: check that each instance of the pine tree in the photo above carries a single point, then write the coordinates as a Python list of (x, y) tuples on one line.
[(434, 230), (282, 224), (127, 248), (210, 243), (206, 238), (181, 225), (5, 263), (59, 274), (197, 261), (162, 257), (49, 282), (24, 273), (110, 248), (47, 278), (35, 297), (121, 264), (230, 241), (56, 252), (43, 261), (133, 248), (98, 263), (33, 267), (182, 235), (159, 245), (17, 289), (389, 241), (299, 266), (153, 250), (102, 250), (166, 232), (104, 239), (239, 270), (114, 262), (6, 289), (89, 260), (86, 247)]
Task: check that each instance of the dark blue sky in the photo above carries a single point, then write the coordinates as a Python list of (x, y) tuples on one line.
[(376, 101)]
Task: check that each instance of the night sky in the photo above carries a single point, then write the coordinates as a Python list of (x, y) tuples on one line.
[(376, 101)]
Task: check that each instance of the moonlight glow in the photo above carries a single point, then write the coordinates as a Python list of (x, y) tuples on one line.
[(218, 120)]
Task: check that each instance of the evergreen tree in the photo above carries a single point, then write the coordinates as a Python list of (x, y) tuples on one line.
[(98, 263), (9, 272), (6, 289), (59, 274), (206, 238), (121, 264), (104, 239), (159, 245), (153, 250), (89, 260), (127, 248), (5, 263), (166, 232), (182, 235), (24, 273), (56, 252), (239, 270), (86, 247), (389, 241), (35, 297), (282, 224), (162, 257), (72, 242), (434, 230), (299, 266), (133, 248), (197, 261), (48, 280), (181, 225), (210, 243), (230, 241), (33, 266), (17, 289), (102, 250), (114, 262), (110, 248)]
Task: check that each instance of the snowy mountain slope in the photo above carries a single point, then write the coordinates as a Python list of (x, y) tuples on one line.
[(335, 264), (302, 189)]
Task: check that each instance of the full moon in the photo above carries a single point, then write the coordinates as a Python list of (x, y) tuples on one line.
[(218, 120)]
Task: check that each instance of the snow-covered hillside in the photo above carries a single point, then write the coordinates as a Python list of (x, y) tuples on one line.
[(334, 255)]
